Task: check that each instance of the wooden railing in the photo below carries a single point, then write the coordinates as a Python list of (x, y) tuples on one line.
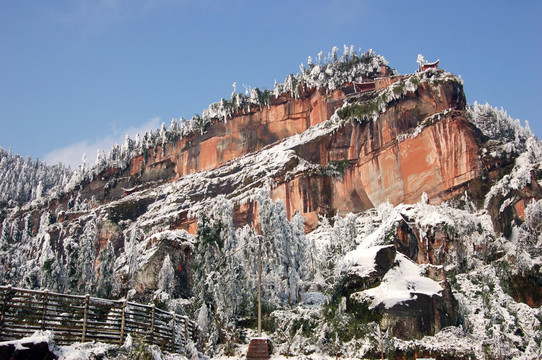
[(74, 318)]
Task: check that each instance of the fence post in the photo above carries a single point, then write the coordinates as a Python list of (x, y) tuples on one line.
[(173, 330), (123, 322), (199, 337), (44, 309), (85, 318), (185, 331), (4, 307), (152, 323)]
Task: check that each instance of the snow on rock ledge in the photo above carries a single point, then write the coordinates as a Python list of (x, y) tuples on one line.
[(393, 290), (403, 282)]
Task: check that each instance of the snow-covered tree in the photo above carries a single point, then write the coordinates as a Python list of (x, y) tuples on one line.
[(131, 252), (305, 248), (54, 276), (85, 258), (249, 241), (285, 257), (332, 248), (106, 282), (532, 227), (100, 163), (45, 221), (218, 271), (23, 180), (174, 129), (166, 276), (498, 125), (421, 61), (5, 235), (39, 190), (83, 166), (199, 122), (163, 135)]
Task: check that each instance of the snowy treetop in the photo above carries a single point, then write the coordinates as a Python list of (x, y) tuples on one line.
[(498, 125), (334, 71), (24, 179), (507, 137), (369, 110)]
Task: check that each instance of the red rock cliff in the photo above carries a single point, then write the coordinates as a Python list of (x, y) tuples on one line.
[(418, 142), (395, 158)]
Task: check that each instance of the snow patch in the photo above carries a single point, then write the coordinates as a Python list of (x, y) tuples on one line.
[(401, 283)]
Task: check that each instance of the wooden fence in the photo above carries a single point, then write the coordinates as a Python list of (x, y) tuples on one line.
[(74, 318)]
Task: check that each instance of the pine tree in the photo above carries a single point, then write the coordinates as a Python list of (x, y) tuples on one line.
[(106, 282), (130, 248), (163, 135), (85, 258), (71, 248), (39, 190), (207, 255), (138, 144), (53, 271), (127, 148), (174, 129), (331, 250), (304, 262), (115, 156), (249, 242), (345, 233), (101, 163), (83, 165), (166, 277), (284, 254), (45, 221), (221, 270), (5, 237), (272, 266)]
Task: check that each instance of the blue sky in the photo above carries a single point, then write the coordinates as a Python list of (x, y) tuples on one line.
[(78, 75)]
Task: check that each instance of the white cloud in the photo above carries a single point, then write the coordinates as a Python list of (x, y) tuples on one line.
[(72, 154)]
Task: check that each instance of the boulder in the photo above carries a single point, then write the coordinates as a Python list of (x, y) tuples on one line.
[(409, 300)]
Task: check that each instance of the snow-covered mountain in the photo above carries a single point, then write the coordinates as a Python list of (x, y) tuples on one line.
[(393, 218)]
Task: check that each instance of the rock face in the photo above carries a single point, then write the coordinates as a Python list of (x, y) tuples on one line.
[(227, 140), (527, 287), (181, 258), (383, 261), (222, 141), (424, 315), (322, 153), (383, 162), (417, 140), (420, 143), (20, 351)]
